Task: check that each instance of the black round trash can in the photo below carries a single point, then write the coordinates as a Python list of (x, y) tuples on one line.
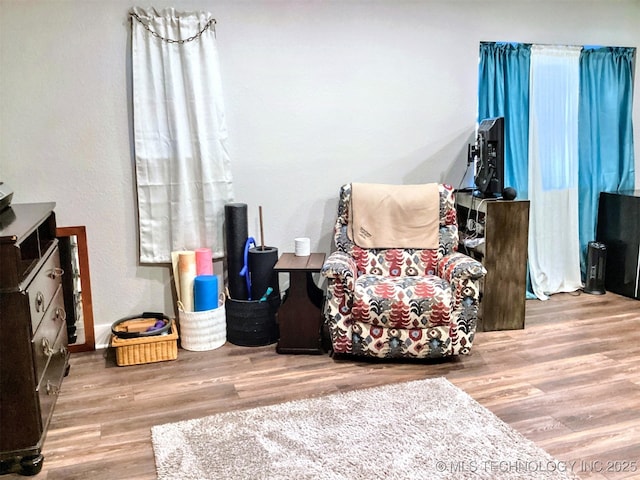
[(596, 262)]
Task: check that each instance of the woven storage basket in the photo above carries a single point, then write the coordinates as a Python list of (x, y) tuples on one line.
[(156, 348), (252, 323), (200, 331)]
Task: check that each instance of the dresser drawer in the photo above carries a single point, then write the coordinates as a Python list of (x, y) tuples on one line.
[(51, 380), (44, 339), (43, 287)]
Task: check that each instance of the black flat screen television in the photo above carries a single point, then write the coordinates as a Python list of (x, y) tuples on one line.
[(489, 173)]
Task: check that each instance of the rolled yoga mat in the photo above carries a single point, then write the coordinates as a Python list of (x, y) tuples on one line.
[(236, 234), (204, 261), (261, 263), (205, 293), (187, 273)]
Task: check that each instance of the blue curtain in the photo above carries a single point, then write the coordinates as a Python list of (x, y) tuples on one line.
[(606, 159), (503, 91)]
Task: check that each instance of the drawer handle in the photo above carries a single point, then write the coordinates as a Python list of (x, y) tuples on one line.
[(60, 314), (46, 347), (52, 389), (39, 302), (56, 272)]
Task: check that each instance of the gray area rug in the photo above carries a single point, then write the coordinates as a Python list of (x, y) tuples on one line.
[(425, 429)]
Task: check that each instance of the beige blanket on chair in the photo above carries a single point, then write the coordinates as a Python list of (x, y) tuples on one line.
[(394, 216)]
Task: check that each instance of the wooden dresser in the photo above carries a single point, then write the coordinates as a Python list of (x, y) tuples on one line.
[(33, 338)]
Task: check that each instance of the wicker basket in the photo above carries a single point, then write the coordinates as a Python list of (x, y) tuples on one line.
[(157, 348)]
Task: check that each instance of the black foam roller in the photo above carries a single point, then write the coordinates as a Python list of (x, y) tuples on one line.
[(261, 263), (236, 234)]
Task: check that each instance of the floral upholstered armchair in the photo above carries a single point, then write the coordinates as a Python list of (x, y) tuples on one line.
[(402, 302)]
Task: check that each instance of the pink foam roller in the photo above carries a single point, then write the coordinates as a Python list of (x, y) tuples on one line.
[(204, 261)]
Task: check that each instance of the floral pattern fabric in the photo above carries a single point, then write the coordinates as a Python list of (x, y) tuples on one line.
[(419, 301), (402, 302)]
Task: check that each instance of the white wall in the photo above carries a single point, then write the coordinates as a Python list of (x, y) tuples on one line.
[(318, 93)]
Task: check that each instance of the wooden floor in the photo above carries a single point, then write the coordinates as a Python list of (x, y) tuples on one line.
[(570, 381)]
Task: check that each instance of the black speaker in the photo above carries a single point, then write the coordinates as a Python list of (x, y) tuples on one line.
[(509, 193), (619, 229), (596, 262)]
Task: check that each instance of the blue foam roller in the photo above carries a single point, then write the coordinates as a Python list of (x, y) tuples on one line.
[(205, 292)]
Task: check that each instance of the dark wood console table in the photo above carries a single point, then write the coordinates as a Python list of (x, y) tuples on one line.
[(300, 315)]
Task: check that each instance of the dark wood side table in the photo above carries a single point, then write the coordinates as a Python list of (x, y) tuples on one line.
[(300, 315)]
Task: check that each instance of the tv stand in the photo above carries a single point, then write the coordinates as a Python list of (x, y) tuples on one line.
[(495, 232)]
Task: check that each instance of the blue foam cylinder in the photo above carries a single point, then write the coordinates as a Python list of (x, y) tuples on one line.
[(205, 292)]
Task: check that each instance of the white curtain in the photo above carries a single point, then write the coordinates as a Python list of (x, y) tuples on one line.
[(554, 247), (182, 164)]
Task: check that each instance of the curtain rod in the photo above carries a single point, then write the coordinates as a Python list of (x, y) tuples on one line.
[(209, 24)]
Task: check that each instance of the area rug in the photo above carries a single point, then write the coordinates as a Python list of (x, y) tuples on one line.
[(425, 429)]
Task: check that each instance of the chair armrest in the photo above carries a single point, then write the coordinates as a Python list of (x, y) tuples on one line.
[(340, 266), (457, 266)]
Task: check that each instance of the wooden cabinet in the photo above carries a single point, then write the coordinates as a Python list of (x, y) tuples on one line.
[(619, 229), (33, 337), (495, 232)]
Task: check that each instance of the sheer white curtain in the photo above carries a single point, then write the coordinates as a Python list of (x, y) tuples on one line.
[(554, 247), (182, 164)]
